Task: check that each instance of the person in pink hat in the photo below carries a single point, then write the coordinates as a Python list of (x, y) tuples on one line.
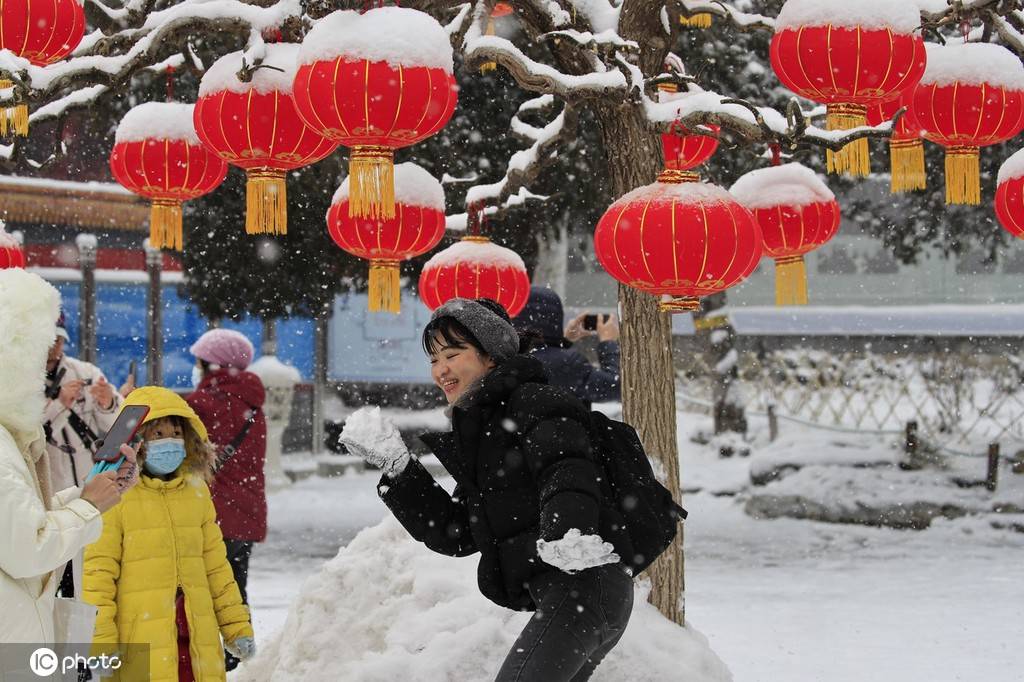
[(229, 401)]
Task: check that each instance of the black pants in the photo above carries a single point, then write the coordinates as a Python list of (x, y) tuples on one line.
[(579, 619), (239, 552)]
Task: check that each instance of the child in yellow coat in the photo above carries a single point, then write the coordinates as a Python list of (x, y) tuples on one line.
[(159, 573)]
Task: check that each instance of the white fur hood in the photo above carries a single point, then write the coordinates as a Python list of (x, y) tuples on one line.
[(29, 307)]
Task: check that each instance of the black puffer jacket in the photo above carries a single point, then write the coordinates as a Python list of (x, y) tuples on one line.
[(520, 454)]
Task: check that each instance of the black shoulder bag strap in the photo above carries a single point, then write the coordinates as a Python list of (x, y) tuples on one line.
[(229, 450)]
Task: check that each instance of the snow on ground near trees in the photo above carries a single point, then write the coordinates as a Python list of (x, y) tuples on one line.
[(778, 600)]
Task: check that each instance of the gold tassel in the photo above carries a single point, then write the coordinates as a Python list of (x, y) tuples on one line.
[(13, 119), (266, 202), (165, 224), (906, 158), (702, 20), (963, 176), (385, 289), (371, 182), (489, 66), (854, 158), (790, 281), (679, 304)]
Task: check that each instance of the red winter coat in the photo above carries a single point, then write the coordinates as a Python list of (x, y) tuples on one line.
[(223, 400)]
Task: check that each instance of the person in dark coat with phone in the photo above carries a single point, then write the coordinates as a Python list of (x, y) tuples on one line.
[(566, 366), (530, 495), (229, 401)]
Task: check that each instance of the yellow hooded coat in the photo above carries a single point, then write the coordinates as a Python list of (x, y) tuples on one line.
[(163, 537)]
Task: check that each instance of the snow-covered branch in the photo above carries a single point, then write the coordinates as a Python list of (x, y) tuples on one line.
[(525, 165), (742, 20)]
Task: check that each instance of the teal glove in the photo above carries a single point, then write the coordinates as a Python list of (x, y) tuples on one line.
[(242, 648)]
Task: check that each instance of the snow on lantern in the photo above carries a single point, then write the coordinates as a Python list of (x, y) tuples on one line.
[(253, 124), (475, 267), (678, 239), (11, 254), (906, 148), (797, 213), (43, 32), (971, 96), (849, 56), (375, 82), (418, 226), (158, 155), (1010, 195)]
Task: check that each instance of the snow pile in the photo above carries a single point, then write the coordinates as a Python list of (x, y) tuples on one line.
[(223, 74), (86, 241), (973, 64), (476, 253), (1012, 168), (396, 35), (678, 192), (386, 608), (375, 432), (158, 121), (902, 16), (414, 186), (273, 373), (791, 184)]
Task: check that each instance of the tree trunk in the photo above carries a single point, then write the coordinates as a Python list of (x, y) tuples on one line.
[(269, 344), (553, 260), (648, 374), (719, 341)]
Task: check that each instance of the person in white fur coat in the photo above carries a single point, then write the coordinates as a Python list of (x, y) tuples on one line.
[(40, 530)]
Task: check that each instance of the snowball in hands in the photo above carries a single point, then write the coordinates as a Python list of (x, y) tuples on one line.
[(373, 437), (576, 552)]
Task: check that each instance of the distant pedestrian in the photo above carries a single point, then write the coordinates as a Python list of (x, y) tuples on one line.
[(229, 400), (564, 365)]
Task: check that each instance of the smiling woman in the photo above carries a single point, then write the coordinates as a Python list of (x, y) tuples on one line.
[(529, 495)]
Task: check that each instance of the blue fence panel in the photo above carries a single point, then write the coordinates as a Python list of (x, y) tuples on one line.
[(120, 329)]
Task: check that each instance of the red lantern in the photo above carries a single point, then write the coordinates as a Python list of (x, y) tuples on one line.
[(43, 32), (501, 9), (849, 56), (254, 125), (475, 267), (684, 149), (1010, 195), (375, 82), (678, 238), (971, 96), (417, 227), (797, 213), (11, 255), (906, 148), (158, 155)]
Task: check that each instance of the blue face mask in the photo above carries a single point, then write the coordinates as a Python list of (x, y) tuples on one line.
[(164, 456)]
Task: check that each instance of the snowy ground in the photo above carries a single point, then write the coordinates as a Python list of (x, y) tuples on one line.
[(779, 600)]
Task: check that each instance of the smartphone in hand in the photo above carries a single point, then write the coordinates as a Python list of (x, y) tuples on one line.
[(590, 322), (122, 431)]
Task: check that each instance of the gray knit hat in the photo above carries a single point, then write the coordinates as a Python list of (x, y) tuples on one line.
[(495, 333)]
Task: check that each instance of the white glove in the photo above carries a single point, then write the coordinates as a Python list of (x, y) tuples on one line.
[(372, 436), (242, 648), (577, 552)]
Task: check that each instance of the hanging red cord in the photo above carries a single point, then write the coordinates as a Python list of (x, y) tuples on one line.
[(776, 153), (170, 83)]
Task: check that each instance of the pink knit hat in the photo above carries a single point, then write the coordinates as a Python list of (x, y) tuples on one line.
[(223, 347)]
